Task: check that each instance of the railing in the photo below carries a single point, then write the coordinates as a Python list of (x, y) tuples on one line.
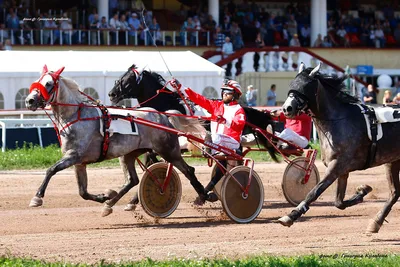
[(105, 37), (271, 59)]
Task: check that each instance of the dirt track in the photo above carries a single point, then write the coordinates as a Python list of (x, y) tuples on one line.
[(71, 229)]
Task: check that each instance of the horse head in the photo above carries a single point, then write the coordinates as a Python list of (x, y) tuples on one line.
[(43, 90), (302, 91), (127, 86)]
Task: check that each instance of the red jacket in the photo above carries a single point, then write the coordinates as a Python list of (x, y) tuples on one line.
[(300, 124), (233, 113)]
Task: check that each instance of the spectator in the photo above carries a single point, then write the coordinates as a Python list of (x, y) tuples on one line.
[(94, 24), (326, 43), (210, 24), (319, 41), (380, 39), (188, 30), (341, 33), (227, 49), (219, 38), (115, 26), (364, 36), (259, 44), (251, 96), (396, 99), (49, 33), (305, 33), (387, 97), (135, 26), (292, 26), (294, 42), (370, 95), (124, 28), (155, 32), (271, 96), (103, 26), (13, 24), (66, 29), (7, 45), (236, 36), (226, 27), (197, 29), (3, 32), (1, 46)]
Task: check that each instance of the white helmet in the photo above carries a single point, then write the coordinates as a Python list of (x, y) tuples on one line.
[(233, 86)]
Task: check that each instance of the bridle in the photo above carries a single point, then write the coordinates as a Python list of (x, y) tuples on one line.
[(48, 91), (138, 76)]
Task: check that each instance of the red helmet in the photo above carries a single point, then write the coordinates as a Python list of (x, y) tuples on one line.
[(232, 85)]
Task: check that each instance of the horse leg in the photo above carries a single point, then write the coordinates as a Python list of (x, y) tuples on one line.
[(68, 160), (331, 175), (128, 166), (392, 175), (131, 206), (358, 197), (81, 177), (150, 158)]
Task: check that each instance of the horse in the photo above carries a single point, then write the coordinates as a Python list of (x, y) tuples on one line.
[(341, 122), (78, 121), (150, 88)]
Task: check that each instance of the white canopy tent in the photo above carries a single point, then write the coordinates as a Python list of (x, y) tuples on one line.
[(99, 70)]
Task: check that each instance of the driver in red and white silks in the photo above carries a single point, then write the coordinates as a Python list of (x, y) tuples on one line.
[(228, 118), (297, 130), (228, 121)]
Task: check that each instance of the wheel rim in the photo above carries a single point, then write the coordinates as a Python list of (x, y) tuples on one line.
[(155, 202), (241, 207), (293, 185)]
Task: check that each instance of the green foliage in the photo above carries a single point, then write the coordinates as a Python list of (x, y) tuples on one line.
[(273, 261)]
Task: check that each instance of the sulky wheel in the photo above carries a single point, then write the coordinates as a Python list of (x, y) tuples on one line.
[(239, 207), (293, 186), (154, 202)]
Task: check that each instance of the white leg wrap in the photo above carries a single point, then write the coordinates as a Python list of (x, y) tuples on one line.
[(302, 207)]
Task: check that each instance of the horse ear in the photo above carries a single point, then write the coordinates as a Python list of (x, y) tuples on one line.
[(45, 70), (315, 70), (302, 67), (57, 73)]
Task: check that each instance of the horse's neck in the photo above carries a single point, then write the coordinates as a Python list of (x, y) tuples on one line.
[(327, 107), (70, 98)]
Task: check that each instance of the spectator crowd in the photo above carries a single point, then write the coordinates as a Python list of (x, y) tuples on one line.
[(241, 23)]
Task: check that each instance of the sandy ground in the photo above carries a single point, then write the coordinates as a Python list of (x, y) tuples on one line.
[(71, 229)]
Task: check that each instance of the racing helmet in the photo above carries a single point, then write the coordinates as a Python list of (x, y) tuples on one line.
[(231, 85)]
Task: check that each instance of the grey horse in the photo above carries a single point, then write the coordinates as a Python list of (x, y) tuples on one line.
[(77, 121), (344, 140)]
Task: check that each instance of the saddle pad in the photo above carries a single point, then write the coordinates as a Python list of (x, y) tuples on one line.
[(380, 131), (120, 126), (387, 114)]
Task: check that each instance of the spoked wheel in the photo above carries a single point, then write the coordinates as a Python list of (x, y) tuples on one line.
[(293, 186), (241, 207), (155, 202)]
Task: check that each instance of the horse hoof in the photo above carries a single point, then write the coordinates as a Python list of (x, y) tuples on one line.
[(110, 193), (130, 207), (36, 202), (106, 211), (373, 227), (363, 189), (285, 221)]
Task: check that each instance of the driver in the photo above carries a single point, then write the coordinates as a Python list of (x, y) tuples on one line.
[(228, 121)]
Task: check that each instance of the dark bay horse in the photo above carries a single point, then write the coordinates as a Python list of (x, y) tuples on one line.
[(344, 140), (78, 122), (145, 85)]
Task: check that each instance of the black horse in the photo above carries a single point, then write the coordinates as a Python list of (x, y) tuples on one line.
[(146, 84), (345, 145)]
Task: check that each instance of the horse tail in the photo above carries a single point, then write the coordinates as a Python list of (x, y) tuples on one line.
[(264, 121), (185, 124)]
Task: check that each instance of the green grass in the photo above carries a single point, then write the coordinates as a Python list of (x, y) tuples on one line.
[(34, 157), (298, 261)]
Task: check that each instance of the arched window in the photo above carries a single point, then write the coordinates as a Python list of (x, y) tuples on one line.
[(210, 93), (91, 92), (20, 98), (1, 101)]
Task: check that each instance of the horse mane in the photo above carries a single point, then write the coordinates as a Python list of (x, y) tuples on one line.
[(261, 119), (336, 83), (74, 87)]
